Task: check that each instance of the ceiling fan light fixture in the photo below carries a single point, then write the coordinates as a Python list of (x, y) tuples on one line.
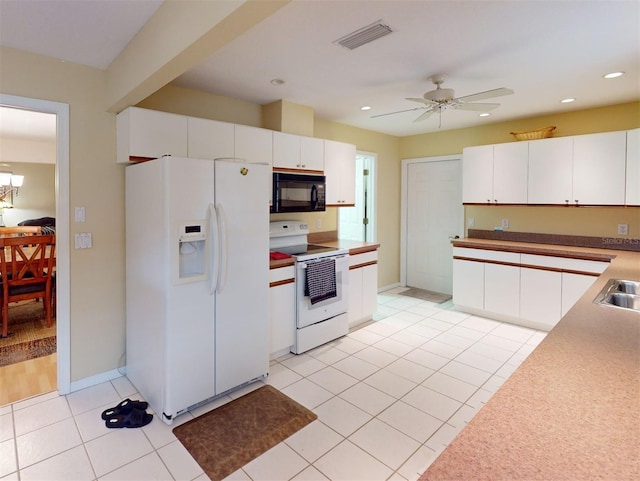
[(613, 75), (365, 107), (567, 100), (440, 95), (484, 114), (364, 35)]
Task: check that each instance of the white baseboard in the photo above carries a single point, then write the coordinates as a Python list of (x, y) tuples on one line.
[(97, 379), (390, 286)]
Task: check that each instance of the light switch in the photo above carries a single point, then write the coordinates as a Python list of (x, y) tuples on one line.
[(83, 240), (79, 214)]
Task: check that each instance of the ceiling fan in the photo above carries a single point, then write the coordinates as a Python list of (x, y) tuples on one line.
[(443, 99)]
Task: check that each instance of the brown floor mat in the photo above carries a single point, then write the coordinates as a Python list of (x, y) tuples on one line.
[(426, 295), (225, 439)]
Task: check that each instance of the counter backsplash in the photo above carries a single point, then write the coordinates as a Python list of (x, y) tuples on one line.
[(617, 243)]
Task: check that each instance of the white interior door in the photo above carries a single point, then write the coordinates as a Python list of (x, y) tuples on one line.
[(434, 215), (358, 222)]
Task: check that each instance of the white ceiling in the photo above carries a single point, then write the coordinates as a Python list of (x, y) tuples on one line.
[(544, 50)]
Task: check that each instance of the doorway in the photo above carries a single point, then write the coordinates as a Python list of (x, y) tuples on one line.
[(432, 214), (61, 111), (358, 222)]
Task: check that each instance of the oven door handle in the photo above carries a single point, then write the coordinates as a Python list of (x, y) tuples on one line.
[(303, 265)]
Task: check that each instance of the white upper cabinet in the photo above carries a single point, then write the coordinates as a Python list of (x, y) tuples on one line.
[(210, 139), (253, 144), (550, 171), (599, 168), (633, 168), (149, 134), (477, 174), (510, 163), (495, 173), (583, 169), (312, 153), (340, 172), (294, 152), (286, 151)]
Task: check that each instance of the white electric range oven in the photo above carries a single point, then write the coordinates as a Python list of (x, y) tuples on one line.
[(322, 284)]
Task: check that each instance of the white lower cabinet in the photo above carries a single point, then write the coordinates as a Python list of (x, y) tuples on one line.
[(528, 289), (502, 290), (363, 287), (282, 310), (468, 283), (540, 296), (573, 288)]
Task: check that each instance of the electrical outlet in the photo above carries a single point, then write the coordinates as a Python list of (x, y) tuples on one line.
[(505, 223), (471, 222), (318, 223), (623, 229)]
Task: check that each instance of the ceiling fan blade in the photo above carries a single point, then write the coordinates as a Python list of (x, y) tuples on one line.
[(489, 94), (425, 115), (477, 107), (422, 101), (397, 112)]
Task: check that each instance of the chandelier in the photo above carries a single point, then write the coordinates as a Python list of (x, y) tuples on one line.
[(9, 183)]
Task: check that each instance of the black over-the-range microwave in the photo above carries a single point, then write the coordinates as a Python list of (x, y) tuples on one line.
[(298, 192)]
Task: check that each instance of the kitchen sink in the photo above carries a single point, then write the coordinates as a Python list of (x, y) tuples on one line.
[(620, 293), (629, 287)]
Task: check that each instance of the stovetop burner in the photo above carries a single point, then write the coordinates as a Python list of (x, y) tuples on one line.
[(290, 237), (305, 249)]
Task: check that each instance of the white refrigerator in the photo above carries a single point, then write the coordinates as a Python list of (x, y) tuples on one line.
[(197, 279)]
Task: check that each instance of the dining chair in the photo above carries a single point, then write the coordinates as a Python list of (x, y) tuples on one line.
[(20, 230), (26, 272)]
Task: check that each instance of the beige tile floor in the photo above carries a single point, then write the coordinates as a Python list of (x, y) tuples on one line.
[(389, 397)]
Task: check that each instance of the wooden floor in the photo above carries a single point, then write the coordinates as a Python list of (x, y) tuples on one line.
[(29, 378)]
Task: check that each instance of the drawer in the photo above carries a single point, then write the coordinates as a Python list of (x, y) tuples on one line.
[(564, 263), (487, 255), (282, 273), (365, 258)]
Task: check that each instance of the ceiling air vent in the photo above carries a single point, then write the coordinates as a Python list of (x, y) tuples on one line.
[(364, 35)]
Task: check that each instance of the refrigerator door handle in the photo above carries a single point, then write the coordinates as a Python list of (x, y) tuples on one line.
[(214, 237), (223, 246)]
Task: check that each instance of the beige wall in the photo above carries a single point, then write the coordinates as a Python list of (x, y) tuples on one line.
[(559, 220), (390, 150), (97, 183), (386, 147)]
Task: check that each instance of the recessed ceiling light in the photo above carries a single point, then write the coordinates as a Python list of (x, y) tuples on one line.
[(485, 114), (567, 101), (365, 107), (277, 81), (614, 75)]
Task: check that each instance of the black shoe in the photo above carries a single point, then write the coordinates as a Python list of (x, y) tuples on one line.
[(124, 408)]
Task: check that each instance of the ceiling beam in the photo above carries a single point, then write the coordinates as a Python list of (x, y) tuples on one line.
[(179, 36)]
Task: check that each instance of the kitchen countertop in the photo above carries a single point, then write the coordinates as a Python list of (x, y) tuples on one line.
[(571, 411), (355, 247)]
